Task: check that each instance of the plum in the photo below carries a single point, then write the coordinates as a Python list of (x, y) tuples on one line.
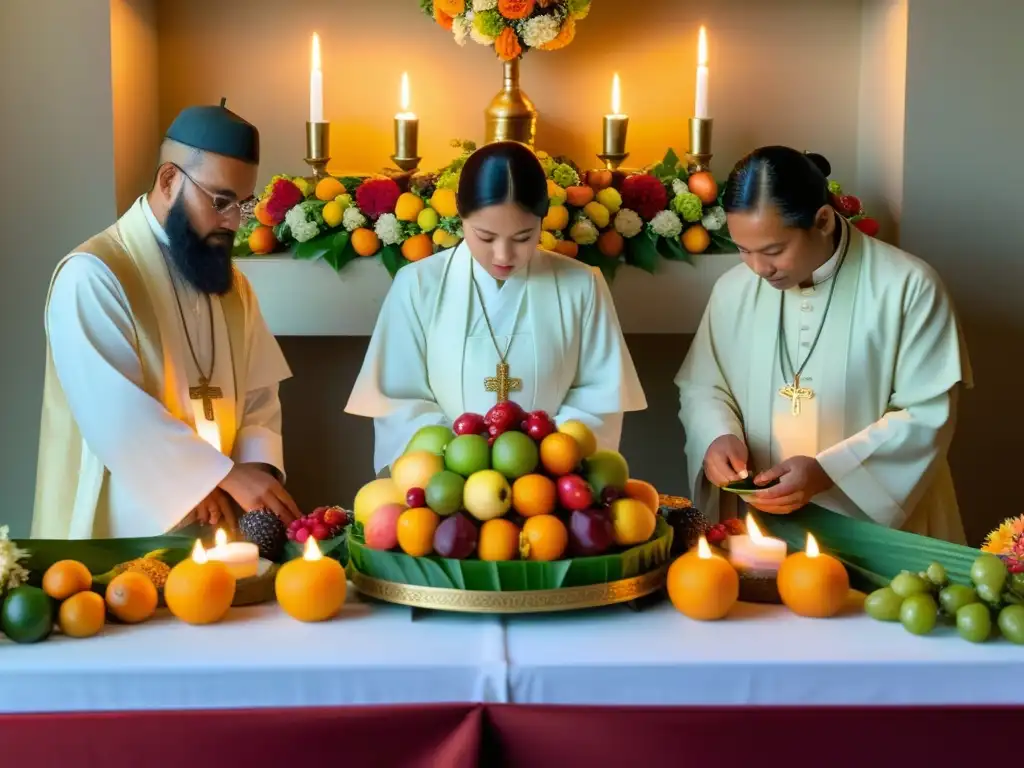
[(455, 537), (590, 533)]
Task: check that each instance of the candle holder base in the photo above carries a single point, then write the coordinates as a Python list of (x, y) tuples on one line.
[(318, 148), (407, 164), (697, 163), (319, 166), (759, 587), (699, 155), (612, 160)]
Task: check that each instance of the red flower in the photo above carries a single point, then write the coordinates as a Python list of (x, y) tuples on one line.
[(376, 197), (283, 197), (644, 194)]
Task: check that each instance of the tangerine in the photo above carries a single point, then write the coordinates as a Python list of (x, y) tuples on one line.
[(578, 196), (262, 240), (560, 454), (567, 248), (557, 218), (365, 242), (131, 597), (611, 244), (534, 495), (416, 528), (645, 492), (260, 212), (547, 241), (695, 239), (544, 538), (329, 188), (66, 578), (583, 434), (408, 207), (82, 615), (498, 540), (704, 186), (444, 239), (445, 203), (418, 247)]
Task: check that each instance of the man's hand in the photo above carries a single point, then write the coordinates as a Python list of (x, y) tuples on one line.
[(801, 478), (216, 507), (726, 460), (254, 488)]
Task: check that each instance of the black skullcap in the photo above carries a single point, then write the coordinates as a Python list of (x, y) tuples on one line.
[(218, 130)]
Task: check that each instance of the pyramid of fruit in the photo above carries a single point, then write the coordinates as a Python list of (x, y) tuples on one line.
[(507, 485)]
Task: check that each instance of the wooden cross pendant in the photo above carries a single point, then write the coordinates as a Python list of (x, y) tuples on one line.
[(207, 394), (502, 383), (795, 393)]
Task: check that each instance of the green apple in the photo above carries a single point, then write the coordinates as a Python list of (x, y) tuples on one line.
[(467, 454), (514, 454), (606, 469), (433, 439)]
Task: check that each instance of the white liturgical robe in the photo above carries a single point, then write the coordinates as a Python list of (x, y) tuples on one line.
[(885, 376), (431, 349), (143, 469)]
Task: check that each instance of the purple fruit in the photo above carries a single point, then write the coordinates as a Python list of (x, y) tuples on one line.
[(455, 537), (590, 533), (610, 494)]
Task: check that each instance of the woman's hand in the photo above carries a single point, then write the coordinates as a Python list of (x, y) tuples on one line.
[(801, 478), (726, 460), (216, 507)]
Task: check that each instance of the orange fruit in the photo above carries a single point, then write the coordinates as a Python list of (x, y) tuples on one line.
[(260, 212), (560, 453), (583, 434), (498, 540), (567, 248), (633, 522), (311, 590), (408, 207), (262, 240), (199, 593), (329, 188), (695, 239), (645, 492), (557, 218), (544, 538), (702, 588), (82, 615), (533, 495), (599, 179), (816, 587), (66, 578), (611, 244), (365, 242), (418, 247), (416, 528), (414, 470), (131, 597), (579, 196), (704, 186)]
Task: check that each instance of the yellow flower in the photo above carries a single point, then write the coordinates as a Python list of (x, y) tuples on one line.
[(1000, 541)]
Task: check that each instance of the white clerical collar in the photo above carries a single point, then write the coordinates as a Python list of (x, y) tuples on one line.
[(158, 231), (826, 270)]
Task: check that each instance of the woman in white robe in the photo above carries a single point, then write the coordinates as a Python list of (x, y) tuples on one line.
[(449, 321), (828, 361)]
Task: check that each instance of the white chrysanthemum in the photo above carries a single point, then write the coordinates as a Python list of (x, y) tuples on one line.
[(484, 5), (628, 223), (387, 229), (584, 232), (479, 37), (302, 228), (667, 224), (461, 27), (353, 219), (714, 218), (679, 187), (540, 30), (12, 573)]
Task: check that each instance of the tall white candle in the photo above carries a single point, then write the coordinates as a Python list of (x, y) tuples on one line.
[(700, 107), (316, 85)]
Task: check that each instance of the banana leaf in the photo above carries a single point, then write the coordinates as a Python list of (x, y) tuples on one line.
[(512, 575), (100, 555), (873, 553)]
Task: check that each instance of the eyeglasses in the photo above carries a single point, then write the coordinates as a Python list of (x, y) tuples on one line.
[(222, 204)]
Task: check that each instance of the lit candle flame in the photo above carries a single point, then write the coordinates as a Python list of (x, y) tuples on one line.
[(703, 550), (405, 91), (316, 52), (220, 538), (752, 530), (198, 553), (702, 48), (616, 95), (312, 551), (812, 546)]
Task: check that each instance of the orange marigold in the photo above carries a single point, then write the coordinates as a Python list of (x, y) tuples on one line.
[(515, 9), (507, 45), (564, 37), (442, 18), (449, 7)]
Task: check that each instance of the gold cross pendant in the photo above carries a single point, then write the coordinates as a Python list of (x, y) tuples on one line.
[(502, 383), (207, 394), (795, 393)]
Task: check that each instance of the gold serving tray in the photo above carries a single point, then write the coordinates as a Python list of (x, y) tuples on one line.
[(524, 601)]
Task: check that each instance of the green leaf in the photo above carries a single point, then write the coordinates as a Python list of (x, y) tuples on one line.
[(671, 249), (641, 252), (722, 243), (241, 250), (341, 251), (351, 183), (315, 248), (668, 168), (100, 555), (336, 548), (391, 256), (591, 256)]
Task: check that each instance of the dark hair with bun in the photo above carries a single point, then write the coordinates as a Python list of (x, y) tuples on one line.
[(794, 182), (503, 172)]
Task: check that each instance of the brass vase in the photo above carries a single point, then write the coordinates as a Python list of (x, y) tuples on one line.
[(511, 115)]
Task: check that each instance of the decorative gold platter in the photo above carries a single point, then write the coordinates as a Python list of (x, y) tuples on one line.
[(522, 601)]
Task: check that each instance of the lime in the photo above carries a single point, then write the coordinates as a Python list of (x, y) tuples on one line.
[(974, 622), (27, 615), (919, 613), (1011, 623), (883, 604), (906, 584), (1017, 583), (989, 570), (444, 492), (956, 596)]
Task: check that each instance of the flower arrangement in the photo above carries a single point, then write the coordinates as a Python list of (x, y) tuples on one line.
[(603, 218), (1007, 541), (511, 27), (12, 572)]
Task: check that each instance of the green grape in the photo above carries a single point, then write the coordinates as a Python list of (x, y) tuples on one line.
[(1017, 583), (974, 622), (883, 605), (956, 596), (1011, 623), (988, 594), (919, 613), (906, 584), (937, 575), (989, 570)]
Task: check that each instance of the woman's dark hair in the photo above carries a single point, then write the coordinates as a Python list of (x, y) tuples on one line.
[(503, 172), (793, 182)]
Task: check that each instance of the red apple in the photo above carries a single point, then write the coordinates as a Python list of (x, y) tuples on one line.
[(574, 493), (469, 424), (538, 425), (867, 225), (504, 416), (848, 205)]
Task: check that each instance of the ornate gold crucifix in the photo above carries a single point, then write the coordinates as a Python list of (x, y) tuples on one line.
[(795, 393), (207, 394), (502, 383)]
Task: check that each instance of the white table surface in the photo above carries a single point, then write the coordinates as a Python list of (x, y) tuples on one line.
[(381, 654)]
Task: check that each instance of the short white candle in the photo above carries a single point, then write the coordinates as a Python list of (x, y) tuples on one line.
[(700, 108), (242, 558), (316, 85), (755, 551)]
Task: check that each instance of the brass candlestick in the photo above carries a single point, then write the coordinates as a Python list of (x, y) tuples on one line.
[(699, 155), (511, 115), (407, 128), (318, 148), (615, 128)]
